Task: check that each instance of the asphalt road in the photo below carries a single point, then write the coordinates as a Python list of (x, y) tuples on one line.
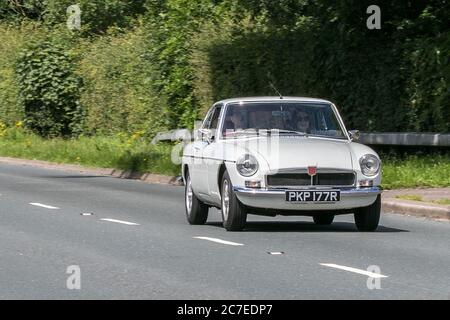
[(160, 256)]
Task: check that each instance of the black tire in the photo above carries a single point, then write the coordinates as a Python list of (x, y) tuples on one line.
[(236, 217), (323, 219), (197, 212), (368, 218)]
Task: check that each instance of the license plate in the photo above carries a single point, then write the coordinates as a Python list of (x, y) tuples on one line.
[(313, 196)]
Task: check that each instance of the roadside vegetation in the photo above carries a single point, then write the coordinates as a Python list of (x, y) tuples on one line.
[(416, 171), (444, 201), (118, 152), (98, 95), (413, 197)]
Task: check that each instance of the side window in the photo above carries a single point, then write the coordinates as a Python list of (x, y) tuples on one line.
[(215, 118), (208, 117)]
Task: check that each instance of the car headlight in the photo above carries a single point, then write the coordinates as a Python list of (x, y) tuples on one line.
[(247, 165), (370, 165)]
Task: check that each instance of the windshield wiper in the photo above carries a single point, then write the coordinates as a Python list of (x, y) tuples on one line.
[(291, 132), (243, 131), (266, 131)]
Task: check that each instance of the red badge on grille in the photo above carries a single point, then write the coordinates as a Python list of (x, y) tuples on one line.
[(312, 171)]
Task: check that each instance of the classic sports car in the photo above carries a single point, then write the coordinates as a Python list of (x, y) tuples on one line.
[(280, 156)]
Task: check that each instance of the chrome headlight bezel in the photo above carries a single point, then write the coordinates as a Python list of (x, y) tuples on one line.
[(370, 165), (247, 165)]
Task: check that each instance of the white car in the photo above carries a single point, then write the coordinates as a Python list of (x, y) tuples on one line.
[(280, 156)]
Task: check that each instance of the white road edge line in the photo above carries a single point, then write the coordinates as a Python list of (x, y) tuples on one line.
[(43, 206), (350, 269), (219, 241), (121, 221)]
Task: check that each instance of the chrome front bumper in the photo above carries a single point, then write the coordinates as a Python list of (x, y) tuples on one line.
[(275, 198)]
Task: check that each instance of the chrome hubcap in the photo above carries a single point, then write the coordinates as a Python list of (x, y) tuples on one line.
[(225, 200), (189, 195)]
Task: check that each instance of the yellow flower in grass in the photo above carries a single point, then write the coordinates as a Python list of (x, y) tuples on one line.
[(137, 134), (78, 159), (19, 124), (2, 129)]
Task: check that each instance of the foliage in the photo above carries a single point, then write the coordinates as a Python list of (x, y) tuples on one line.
[(96, 15), (191, 53), (416, 171), (170, 25), (393, 79), (118, 95), (142, 66), (11, 42), (428, 87), (413, 197), (17, 10), (445, 201), (49, 90), (121, 151)]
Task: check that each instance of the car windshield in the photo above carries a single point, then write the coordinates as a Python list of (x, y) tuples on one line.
[(292, 118)]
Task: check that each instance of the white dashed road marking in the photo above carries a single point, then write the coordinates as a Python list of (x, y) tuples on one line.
[(122, 222), (219, 241), (44, 206), (350, 269)]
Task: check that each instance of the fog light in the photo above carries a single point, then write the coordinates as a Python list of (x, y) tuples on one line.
[(253, 184), (366, 183)]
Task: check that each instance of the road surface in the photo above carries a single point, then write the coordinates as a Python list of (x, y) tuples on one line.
[(134, 243)]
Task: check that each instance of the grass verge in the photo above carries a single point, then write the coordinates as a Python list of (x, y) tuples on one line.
[(416, 171), (412, 197), (415, 197), (444, 201), (119, 152)]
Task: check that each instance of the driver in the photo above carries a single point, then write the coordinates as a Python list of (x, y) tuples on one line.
[(303, 122), (234, 121)]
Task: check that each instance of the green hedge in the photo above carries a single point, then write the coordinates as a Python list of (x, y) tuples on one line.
[(149, 65), (119, 94), (393, 79), (49, 90)]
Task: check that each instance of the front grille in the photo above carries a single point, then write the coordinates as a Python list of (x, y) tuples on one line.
[(303, 179)]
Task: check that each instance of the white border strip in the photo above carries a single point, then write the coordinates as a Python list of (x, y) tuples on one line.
[(219, 241), (354, 270), (121, 221), (43, 206)]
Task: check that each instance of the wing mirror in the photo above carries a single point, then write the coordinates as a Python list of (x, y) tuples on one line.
[(207, 135), (354, 135)]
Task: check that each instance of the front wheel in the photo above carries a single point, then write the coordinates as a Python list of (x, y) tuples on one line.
[(368, 218), (196, 210), (234, 213)]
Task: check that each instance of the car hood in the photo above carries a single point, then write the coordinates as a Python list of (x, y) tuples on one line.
[(301, 152)]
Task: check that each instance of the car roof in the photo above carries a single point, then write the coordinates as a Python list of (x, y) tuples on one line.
[(272, 98)]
